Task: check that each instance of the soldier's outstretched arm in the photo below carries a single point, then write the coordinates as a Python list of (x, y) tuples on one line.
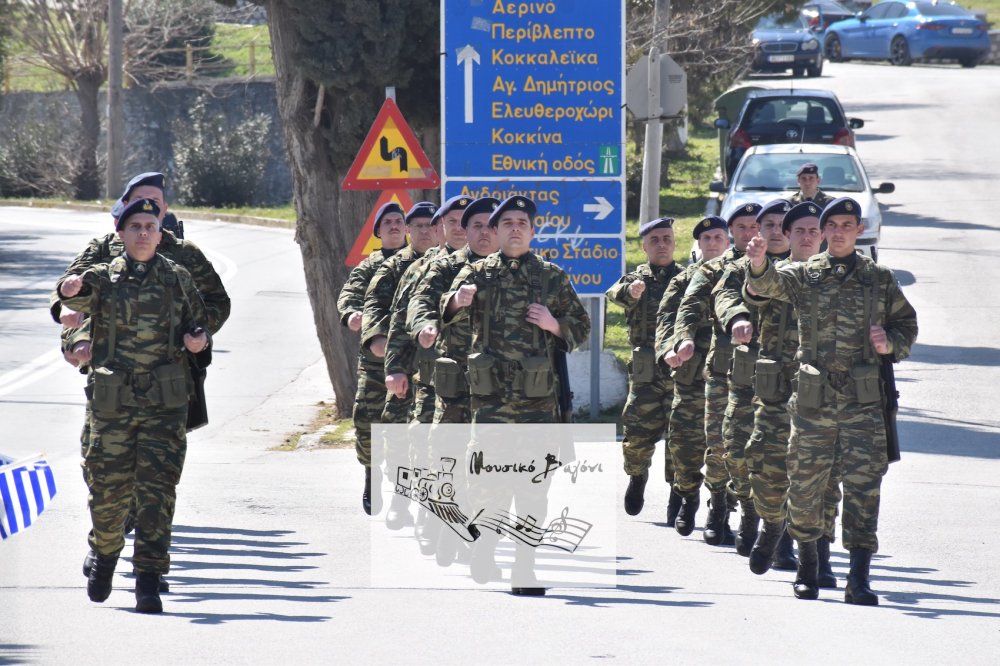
[(352, 295), (83, 292), (900, 317), (95, 253), (377, 304), (727, 296), (619, 291), (693, 309), (574, 322), (452, 306), (666, 313), (424, 308)]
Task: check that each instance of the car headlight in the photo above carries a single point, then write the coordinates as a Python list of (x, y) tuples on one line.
[(810, 45), (755, 41)]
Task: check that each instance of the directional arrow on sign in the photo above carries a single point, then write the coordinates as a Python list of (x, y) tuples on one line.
[(603, 208), (468, 55)]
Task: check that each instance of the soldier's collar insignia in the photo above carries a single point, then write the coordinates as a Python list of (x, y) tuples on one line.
[(140, 267), (840, 270), (514, 265)]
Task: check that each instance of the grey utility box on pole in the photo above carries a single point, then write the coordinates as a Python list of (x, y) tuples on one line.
[(665, 98)]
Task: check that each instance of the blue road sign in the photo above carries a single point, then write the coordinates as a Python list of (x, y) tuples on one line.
[(565, 207), (593, 264), (533, 89)]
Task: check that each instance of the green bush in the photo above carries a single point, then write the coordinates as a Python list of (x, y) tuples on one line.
[(36, 159), (219, 163)]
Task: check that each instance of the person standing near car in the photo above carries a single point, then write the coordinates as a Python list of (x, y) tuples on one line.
[(809, 180)]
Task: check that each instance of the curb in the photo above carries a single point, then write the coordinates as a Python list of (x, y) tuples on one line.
[(181, 213)]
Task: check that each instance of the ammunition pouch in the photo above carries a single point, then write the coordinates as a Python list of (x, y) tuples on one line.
[(722, 355), (170, 381), (426, 360), (687, 373), (106, 389), (643, 365), (744, 360), (482, 375), (769, 383), (866, 383), (811, 383), (537, 378), (449, 380)]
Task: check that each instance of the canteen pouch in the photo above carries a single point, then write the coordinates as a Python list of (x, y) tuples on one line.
[(482, 376), (537, 376), (866, 383), (426, 361), (720, 359), (106, 390), (744, 360), (172, 383), (688, 371), (769, 381), (811, 384), (643, 365), (448, 378)]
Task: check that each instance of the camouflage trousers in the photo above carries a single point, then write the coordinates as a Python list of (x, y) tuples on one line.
[(135, 452), (686, 435), (766, 454), (841, 436), (646, 419), (397, 410), (452, 410), (716, 403), (369, 403), (737, 426), (423, 403), (500, 409)]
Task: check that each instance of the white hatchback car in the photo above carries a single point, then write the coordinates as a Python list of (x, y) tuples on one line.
[(768, 172)]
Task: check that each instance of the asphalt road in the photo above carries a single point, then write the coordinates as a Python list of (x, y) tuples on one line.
[(271, 552)]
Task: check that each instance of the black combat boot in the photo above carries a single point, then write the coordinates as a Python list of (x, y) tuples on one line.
[(635, 495), (762, 553), (858, 590), (718, 519), (673, 507), (749, 524), (805, 586), (366, 496), (689, 508), (99, 580), (88, 563), (398, 516), (784, 556), (826, 579), (147, 593), (372, 502)]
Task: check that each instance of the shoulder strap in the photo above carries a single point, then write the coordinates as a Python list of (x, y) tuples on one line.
[(871, 311), (782, 328), (113, 321)]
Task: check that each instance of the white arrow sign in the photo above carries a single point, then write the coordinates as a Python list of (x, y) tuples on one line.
[(603, 208), (468, 55)]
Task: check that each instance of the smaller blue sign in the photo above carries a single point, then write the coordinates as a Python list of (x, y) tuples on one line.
[(593, 264)]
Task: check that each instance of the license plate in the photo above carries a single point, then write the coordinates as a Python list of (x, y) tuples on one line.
[(781, 58), (961, 31)]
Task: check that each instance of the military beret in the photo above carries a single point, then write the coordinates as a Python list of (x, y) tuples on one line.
[(516, 202), (776, 206), (153, 178), (709, 223), (455, 203), (746, 210), (798, 211), (841, 206), (387, 207), (808, 167), (482, 205), (422, 209), (145, 206), (659, 223)]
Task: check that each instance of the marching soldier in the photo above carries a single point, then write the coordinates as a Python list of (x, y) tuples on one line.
[(850, 311), (651, 391), (686, 428), (370, 399), (146, 316), (809, 180), (698, 302)]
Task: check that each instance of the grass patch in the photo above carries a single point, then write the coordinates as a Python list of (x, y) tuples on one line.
[(333, 433), (247, 47)]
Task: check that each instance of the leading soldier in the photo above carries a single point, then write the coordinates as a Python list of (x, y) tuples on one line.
[(146, 316), (850, 311), (651, 391)]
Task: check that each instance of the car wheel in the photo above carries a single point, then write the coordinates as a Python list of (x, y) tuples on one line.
[(798, 72), (834, 52), (815, 71), (968, 63), (899, 52)]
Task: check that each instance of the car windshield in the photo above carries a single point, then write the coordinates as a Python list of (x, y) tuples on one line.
[(777, 173), (809, 110), (779, 21), (931, 9)]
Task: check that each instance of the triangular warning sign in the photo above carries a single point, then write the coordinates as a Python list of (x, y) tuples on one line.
[(366, 242), (390, 157)]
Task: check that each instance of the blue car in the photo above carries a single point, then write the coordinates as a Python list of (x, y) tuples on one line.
[(902, 32), (781, 44)]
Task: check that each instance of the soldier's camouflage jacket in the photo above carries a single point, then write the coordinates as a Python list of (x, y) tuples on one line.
[(424, 309), (642, 331), (666, 315), (698, 303)]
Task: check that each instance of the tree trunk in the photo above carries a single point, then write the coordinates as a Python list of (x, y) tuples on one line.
[(87, 179), (328, 220)]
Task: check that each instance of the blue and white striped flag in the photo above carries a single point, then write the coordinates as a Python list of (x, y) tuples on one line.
[(26, 486)]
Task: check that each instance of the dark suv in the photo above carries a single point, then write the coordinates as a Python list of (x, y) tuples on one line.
[(786, 116)]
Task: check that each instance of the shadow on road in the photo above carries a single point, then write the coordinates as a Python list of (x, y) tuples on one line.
[(952, 355), (909, 220), (19, 653)]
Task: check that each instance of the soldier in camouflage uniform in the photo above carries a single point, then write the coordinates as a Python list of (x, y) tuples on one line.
[(686, 428), (424, 313), (370, 399), (697, 302), (767, 449), (146, 316), (809, 180), (422, 227), (850, 311), (739, 318), (651, 391)]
